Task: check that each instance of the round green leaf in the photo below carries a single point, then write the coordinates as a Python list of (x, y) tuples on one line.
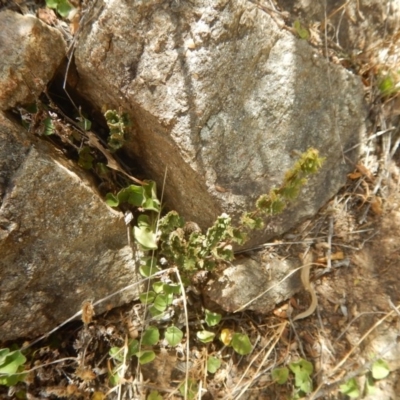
[(133, 347), (172, 289), (173, 335), (350, 389), (380, 369), (147, 298), (150, 336), (280, 375), (117, 353), (51, 3), (64, 8), (161, 302), (213, 364), (158, 287), (205, 336), (191, 391), (11, 362), (112, 200), (146, 356), (145, 237), (241, 344), (212, 318), (154, 312), (149, 268)]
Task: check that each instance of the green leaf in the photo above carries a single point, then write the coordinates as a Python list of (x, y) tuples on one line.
[(146, 356), (212, 318), (301, 30), (151, 201), (117, 353), (213, 364), (155, 312), (387, 85), (3, 355), (52, 3), (48, 127), (85, 158), (145, 237), (192, 389), (151, 336), (280, 375), (173, 335), (64, 8), (300, 366), (102, 169), (172, 289), (149, 268), (380, 369), (350, 389), (147, 297), (241, 344), (158, 287), (11, 361), (161, 302), (154, 395), (111, 200), (84, 123), (133, 347), (370, 385), (134, 195), (113, 379), (302, 370), (303, 381), (205, 336)]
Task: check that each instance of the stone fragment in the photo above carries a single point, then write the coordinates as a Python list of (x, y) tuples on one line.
[(250, 284), (31, 51)]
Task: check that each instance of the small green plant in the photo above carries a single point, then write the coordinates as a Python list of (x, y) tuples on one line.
[(86, 159), (63, 7), (389, 83), (350, 388), (379, 370), (143, 349), (117, 123), (197, 251), (240, 342), (301, 31), (145, 198), (160, 298), (191, 388), (213, 364), (302, 370), (11, 366)]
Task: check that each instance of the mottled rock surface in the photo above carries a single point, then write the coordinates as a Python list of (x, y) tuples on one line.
[(31, 51), (60, 243), (221, 97), (250, 284)]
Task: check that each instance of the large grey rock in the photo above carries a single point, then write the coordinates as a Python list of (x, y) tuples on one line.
[(221, 97), (31, 51), (60, 243)]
